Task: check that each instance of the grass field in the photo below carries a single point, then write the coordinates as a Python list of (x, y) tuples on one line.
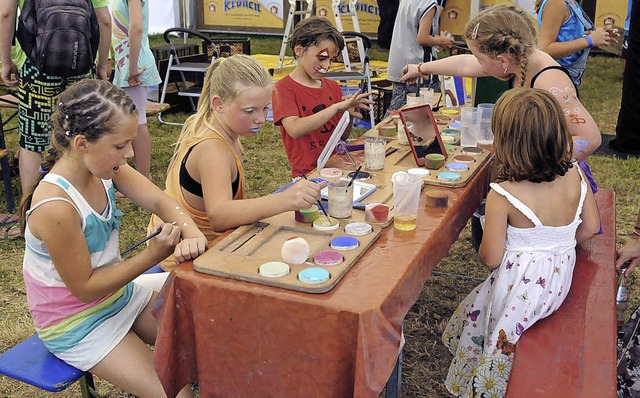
[(426, 360)]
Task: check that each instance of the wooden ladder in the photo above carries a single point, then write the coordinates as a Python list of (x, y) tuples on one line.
[(304, 12)]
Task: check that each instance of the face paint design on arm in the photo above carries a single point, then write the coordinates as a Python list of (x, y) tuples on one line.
[(565, 96)]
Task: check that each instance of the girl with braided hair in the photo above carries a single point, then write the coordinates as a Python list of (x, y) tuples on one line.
[(502, 40), (85, 306)]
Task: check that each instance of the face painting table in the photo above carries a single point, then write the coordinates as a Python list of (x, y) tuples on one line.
[(241, 339)]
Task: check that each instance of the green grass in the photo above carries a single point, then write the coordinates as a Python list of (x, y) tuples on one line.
[(426, 360)]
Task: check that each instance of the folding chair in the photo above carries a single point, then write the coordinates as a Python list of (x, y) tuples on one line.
[(175, 65), (364, 76), (7, 101)]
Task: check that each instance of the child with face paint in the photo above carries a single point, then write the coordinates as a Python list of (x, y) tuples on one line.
[(307, 106), (205, 174)]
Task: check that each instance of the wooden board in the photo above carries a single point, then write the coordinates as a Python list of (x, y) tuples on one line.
[(239, 255)]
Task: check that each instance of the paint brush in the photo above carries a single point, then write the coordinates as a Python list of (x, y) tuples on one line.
[(319, 202), (353, 177), (153, 235)]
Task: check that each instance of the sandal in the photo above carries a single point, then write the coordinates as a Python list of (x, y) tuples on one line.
[(11, 231)]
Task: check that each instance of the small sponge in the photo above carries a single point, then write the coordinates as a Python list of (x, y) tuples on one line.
[(295, 250)]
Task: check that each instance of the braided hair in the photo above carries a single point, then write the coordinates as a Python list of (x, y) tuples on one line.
[(504, 29), (88, 107)]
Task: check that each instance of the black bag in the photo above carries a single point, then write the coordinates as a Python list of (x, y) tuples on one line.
[(60, 37)]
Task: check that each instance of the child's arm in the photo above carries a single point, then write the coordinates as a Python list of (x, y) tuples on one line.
[(581, 124), (58, 225), (495, 230), (457, 65), (590, 225), (631, 250), (297, 126), (222, 210), (104, 20), (135, 41), (143, 192), (8, 11), (425, 38)]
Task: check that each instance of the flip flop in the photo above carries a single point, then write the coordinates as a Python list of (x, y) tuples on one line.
[(11, 231), (6, 219)]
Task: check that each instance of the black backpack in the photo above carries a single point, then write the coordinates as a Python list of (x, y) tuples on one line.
[(60, 37)]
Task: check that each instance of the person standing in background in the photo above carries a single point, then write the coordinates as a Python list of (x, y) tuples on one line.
[(135, 69), (38, 92)]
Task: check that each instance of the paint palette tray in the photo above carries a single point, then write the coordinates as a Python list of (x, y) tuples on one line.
[(241, 254), (459, 166)]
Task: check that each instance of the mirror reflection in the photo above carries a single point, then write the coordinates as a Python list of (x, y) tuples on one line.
[(422, 132)]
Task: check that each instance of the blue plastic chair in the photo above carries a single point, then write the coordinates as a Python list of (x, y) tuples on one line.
[(31, 363)]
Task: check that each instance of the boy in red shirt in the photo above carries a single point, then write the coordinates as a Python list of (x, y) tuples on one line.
[(307, 106)]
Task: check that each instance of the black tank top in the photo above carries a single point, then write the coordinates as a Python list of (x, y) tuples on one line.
[(194, 187)]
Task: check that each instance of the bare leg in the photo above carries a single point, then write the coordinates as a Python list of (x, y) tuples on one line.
[(29, 164), (145, 326), (142, 151), (129, 366)]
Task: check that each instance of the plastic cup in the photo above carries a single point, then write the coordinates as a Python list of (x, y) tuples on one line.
[(340, 198), (374, 151), (427, 96), (402, 134), (406, 197), (485, 136), (470, 119), (414, 99)]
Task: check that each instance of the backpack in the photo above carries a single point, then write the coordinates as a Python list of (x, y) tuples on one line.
[(60, 37)]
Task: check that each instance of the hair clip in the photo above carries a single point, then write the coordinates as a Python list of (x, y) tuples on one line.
[(474, 34), (42, 171), (67, 133)]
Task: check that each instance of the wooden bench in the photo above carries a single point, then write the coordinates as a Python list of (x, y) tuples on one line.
[(154, 108), (572, 353)]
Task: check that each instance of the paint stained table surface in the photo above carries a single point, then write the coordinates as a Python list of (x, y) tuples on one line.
[(239, 338)]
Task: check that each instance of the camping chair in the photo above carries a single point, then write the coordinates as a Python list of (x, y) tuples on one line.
[(364, 76), (175, 65), (7, 101)]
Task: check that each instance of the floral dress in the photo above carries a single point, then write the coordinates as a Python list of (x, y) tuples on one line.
[(531, 283), (629, 357)]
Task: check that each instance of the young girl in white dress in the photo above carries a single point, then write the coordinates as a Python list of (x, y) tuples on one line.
[(534, 219)]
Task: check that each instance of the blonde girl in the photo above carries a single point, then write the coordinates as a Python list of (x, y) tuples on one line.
[(502, 40), (85, 307), (206, 175), (534, 220)]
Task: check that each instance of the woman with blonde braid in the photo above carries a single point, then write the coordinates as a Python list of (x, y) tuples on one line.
[(502, 40), (205, 174)]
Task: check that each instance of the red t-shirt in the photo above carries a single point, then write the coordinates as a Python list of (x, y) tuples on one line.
[(291, 98)]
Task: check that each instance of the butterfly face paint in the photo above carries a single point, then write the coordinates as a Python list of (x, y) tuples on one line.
[(322, 56)]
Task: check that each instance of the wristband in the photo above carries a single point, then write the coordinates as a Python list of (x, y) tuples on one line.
[(589, 40), (419, 71)]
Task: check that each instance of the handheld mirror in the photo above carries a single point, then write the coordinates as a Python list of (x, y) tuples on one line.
[(422, 132)]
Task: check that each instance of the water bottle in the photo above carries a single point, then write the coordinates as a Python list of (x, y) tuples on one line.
[(621, 299)]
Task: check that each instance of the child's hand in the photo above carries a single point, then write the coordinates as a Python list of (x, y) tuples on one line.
[(629, 252), (352, 102), (190, 248), (445, 40), (410, 74), (303, 194), (601, 37), (134, 76), (163, 244)]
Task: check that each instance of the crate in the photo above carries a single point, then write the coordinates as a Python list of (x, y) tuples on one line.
[(183, 50), (227, 47), (381, 93)]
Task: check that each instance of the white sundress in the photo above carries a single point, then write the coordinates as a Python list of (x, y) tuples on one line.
[(531, 283)]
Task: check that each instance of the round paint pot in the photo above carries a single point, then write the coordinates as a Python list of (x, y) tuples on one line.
[(387, 130), (455, 166), (362, 175), (306, 215), (472, 150), (295, 250), (358, 228), (447, 139), (376, 212), (344, 243), (448, 176), (442, 119), (434, 161), (455, 125), (450, 111), (313, 276), (451, 132), (331, 172), (437, 198), (464, 159), (322, 224), (328, 258), (274, 269), (449, 148), (420, 172)]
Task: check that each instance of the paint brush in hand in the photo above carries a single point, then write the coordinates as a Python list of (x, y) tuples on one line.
[(319, 202), (153, 235)]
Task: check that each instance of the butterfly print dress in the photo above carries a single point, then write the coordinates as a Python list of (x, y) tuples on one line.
[(531, 283)]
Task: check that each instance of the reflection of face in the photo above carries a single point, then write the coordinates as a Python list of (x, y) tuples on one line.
[(248, 112), (490, 65), (211, 8), (323, 12), (112, 150), (316, 59), (609, 21)]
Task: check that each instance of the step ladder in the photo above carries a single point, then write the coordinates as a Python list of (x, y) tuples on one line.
[(353, 13), (306, 10)]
